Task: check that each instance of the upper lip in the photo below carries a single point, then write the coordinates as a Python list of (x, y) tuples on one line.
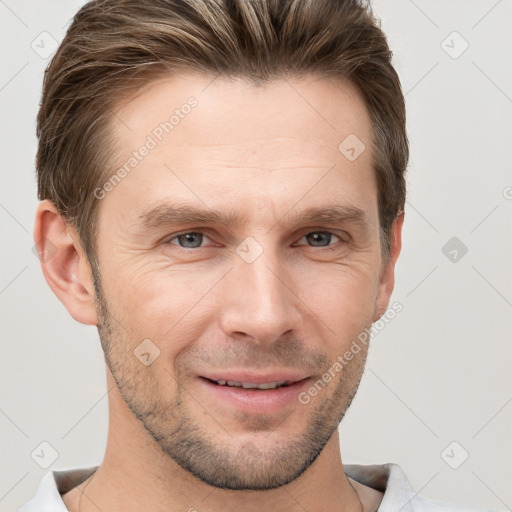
[(255, 378)]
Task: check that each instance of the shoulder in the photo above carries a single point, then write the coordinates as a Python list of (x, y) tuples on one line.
[(54, 484), (421, 504), (398, 493)]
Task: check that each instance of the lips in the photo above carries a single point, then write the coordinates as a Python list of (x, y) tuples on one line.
[(252, 393), (248, 380), (253, 385)]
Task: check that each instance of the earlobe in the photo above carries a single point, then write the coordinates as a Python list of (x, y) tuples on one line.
[(387, 276), (64, 264)]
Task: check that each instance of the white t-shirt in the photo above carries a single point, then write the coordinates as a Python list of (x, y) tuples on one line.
[(387, 478)]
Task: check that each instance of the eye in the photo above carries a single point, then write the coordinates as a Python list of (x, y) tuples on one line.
[(320, 238), (195, 239), (189, 240)]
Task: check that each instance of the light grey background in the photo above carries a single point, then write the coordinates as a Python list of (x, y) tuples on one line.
[(438, 373)]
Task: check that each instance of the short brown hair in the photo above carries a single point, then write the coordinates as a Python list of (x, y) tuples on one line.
[(114, 47)]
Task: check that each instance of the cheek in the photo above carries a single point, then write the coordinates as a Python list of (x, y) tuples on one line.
[(161, 303), (343, 298), (350, 287)]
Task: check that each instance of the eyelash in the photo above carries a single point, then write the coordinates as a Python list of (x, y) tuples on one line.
[(326, 248)]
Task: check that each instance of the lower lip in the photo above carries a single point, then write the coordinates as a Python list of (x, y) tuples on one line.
[(256, 400)]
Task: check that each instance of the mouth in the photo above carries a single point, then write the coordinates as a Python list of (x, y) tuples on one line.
[(254, 394), (251, 385)]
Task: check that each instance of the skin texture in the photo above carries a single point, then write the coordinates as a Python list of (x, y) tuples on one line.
[(267, 154)]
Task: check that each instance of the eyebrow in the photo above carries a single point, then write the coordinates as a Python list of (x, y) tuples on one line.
[(167, 215), (174, 214), (330, 214)]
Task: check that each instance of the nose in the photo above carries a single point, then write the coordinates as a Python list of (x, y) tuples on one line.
[(259, 300)]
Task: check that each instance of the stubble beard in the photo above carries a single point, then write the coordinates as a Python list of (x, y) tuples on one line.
[(221, 463)]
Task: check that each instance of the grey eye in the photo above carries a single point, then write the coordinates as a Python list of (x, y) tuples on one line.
[(190, 240), (319, 238)]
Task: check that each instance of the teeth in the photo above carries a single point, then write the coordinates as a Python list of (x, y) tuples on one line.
[(251, 385)]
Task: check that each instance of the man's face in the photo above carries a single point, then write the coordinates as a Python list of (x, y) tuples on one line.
[(269, 297)]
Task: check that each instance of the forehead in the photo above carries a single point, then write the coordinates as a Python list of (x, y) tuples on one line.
[(321, 110), (226, 138)]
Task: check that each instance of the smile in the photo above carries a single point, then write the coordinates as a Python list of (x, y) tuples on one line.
[(253, 385)]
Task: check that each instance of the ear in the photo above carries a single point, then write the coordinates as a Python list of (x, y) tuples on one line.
[(64, 264), (387, 275)]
